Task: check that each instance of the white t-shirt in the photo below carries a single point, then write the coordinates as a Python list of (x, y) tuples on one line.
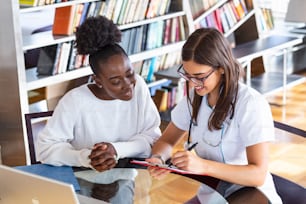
[(81, 120), (252, 124)]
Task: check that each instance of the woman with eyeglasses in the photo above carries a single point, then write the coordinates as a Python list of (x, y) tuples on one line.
[(230, 122), (114, 117)]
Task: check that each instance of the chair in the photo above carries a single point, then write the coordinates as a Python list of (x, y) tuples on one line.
[(289, 191), (35, 122)]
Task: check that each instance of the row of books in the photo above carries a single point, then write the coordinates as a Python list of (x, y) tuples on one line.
[(147, 68), (167, 96), (198, 7), (153, 35), (226, 16), (59, 58), (31, 3), (67, 18), (266, 19), (128, 11), (63, 57), (120, 11)]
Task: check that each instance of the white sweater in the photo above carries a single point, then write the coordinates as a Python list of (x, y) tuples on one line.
[(81, 120)]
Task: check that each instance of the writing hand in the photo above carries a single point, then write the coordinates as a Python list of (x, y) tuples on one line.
[(188, 149), (188, 161)]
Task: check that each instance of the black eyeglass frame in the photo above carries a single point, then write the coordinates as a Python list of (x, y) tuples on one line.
[(196, 80)]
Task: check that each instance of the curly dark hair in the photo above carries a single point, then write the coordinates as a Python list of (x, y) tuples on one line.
[(95, 33), (98, 37)]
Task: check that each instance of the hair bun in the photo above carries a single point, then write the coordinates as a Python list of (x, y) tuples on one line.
[(95, 33)]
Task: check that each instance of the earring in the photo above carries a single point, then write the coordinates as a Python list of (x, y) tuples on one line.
[(99, 85)]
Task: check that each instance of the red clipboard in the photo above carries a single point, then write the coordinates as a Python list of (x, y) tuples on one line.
[(162, 166)]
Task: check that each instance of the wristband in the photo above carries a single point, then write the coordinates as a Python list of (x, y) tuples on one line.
[(158, 157), (116, 157)]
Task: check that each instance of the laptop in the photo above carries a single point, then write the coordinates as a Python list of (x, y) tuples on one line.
[(296, 15), (19, 187)]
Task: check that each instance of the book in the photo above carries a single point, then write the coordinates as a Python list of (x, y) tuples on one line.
[(163, 166), (132, 40), (174, 30), (63, 58), (132, 8), (157, 84), (167, 32), (47, 60), (72, 57), (143, 10), (218, 20), (84, 12), (63, 20), (164, 7), (117, 10), (211, 20), (137, 11), (172, 90), (120, 18), (151, 70), (152, 9), (239, 8), (160, 99), (234, 10), (145, 69), (110, 8), (60, 173), (77, 17), (224, 21), (137, 66), (138, 39), (28, 2), (125, 39), (182, 29), (91, 9), (98, 7)]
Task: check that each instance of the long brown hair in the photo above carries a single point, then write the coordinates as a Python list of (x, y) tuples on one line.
[(209, 47)]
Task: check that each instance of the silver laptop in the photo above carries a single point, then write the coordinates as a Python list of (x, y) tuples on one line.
[(296, 11), (19, 187), (296, 16)]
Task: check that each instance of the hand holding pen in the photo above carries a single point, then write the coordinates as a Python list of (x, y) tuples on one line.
[(188, 149)]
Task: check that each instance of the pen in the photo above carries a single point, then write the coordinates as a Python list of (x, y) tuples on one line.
[(188, 149), (192, 146)]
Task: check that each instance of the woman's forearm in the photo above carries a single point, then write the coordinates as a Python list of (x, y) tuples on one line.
[(246, 175)]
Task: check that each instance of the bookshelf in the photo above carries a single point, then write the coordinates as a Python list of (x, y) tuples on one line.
[(16, 80), (22, 79)]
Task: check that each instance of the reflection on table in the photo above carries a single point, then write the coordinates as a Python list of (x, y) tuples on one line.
[(129, 185), (136, 186)]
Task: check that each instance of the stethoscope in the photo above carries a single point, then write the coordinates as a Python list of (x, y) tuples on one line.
[(189, 144)]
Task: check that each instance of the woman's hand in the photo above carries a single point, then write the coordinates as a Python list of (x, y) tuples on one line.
[(188, 161), (103, 156), (156, 172)]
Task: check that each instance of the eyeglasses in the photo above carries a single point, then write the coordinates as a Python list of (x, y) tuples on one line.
[(196, 80)]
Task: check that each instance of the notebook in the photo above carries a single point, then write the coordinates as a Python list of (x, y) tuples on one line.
[(19, 187)]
